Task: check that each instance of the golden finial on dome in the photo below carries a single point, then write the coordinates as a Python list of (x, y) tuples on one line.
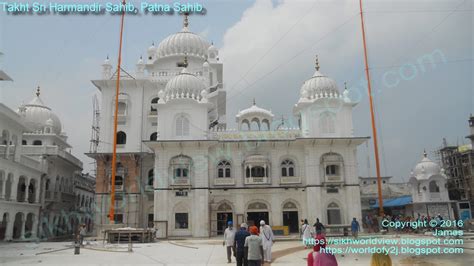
[(254, 101), (317, 63), (424, 153), (345, 85), (38, 91)]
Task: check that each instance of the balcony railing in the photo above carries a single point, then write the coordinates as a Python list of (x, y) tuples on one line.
[(181, 181), (290, 180), (224, 181), (256, 180)]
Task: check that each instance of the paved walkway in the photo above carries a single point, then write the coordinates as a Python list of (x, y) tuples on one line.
[(185, 252)]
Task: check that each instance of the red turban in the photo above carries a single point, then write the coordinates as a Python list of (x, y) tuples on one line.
[(253, 230)]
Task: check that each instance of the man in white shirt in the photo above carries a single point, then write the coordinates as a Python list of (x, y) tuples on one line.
[(229, 236), (268, 239)]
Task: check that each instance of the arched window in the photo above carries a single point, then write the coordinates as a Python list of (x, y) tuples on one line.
[(334, 214), (121, 138), (122, 108), (24, 142), (287, 168), (181, 166), (154, 101), (223, 169), (154, 136), (118, 180), (327, 123), (332, 170), (332, 166), (151, 177), (258, 171), (182, 126), (37, 143), (433, 187)]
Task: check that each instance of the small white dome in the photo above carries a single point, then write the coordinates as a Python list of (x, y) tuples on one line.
[(184, 85), (318, 86), (37, 116), (205, 64), (426, 168), (255, 111)]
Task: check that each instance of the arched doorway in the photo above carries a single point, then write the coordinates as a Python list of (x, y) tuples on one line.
[(29, 225), (290, 216), (334, 213), (224, 215), (17, 225), (256, 212), (21, 190), (3, 226)]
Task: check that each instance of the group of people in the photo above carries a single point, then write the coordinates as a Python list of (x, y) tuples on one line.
[(307, 232), (251, 246)]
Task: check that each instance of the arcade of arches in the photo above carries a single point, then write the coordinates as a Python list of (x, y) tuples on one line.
[(223, 212)]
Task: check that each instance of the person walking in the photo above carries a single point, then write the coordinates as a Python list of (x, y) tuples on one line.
[(82, 234), (306, 233), (318, 227), (268, 240), (355, 227), (319, 256), (254, 248), (239, 245), (229, 237)]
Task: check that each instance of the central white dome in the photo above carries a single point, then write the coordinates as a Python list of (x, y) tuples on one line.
[(181, 43)]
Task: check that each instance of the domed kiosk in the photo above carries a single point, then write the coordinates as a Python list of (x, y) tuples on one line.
[(429, 190)]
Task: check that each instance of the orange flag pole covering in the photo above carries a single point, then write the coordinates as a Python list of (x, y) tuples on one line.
[(372, 115), (114, 152)]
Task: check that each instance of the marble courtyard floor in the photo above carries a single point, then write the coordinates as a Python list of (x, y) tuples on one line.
[(189, 252)]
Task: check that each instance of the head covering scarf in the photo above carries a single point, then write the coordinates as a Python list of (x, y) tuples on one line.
[(253, 230), (324, 259), (320, 243), (380, 259)]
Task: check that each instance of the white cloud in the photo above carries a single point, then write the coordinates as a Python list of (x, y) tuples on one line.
[(400, 34)]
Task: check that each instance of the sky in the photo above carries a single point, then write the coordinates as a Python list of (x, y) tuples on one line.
[(268, 50)]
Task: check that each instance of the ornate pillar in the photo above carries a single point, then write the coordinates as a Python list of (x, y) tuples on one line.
[(2, 193), (27, 184), (7, 149), (38, 191), (9, 231), (23, 222), (14, 188), (34, 229)]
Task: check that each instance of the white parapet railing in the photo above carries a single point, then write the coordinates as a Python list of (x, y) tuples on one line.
[(256, 180), (224, 181), (290, 180), (181, 182)]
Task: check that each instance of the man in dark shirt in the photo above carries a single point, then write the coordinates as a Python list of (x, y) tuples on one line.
[(239, 242), (318, 226)]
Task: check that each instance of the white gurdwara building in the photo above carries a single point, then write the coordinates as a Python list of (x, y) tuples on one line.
[(181, 171)]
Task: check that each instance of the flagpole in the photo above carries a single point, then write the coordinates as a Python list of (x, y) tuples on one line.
[(372, 115), (114, 144)]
